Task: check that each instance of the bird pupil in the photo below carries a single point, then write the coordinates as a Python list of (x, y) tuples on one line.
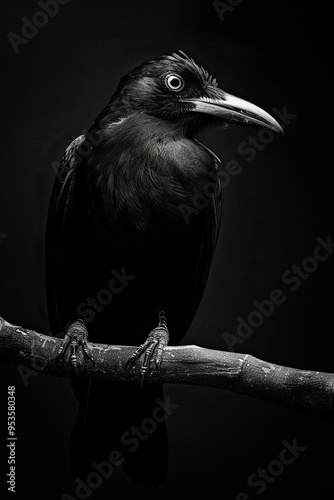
[(174, 82)]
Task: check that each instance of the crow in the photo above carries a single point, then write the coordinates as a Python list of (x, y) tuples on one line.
[(132, 226)]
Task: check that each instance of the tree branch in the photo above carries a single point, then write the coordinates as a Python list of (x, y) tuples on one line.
[(307, 391)]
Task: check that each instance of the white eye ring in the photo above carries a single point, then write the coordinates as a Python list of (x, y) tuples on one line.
[(174, 82)]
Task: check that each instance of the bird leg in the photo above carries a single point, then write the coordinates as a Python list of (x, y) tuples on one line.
[(75, 339), (152, 348)]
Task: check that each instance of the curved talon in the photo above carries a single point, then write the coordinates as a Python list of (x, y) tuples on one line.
[(152, 349), (135, 355), (143, 372), (158, 359), (84, 345), (74, 359), (75, 338), (63, 347), (148, 356)]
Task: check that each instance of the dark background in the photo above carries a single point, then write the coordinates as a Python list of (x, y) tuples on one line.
[(270, 53)]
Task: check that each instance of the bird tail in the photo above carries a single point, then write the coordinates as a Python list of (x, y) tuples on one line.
[(120, 423)]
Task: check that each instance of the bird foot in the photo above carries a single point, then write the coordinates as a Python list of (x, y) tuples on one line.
[(75, 339), (152, 348)]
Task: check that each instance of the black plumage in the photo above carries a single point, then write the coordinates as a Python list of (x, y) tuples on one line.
[(127, 239)]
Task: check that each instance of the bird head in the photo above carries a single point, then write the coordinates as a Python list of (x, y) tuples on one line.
[(175, 88)]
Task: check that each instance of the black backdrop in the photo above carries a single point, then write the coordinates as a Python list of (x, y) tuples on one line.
[(269, 53)]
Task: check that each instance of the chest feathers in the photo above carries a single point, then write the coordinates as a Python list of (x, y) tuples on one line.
[(152, 181)]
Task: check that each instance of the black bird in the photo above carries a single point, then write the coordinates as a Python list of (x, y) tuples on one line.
[(130, 244)]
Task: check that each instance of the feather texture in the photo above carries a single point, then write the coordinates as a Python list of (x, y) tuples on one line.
[(132, 226)]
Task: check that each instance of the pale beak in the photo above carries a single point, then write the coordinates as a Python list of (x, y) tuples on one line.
[(232, 109)]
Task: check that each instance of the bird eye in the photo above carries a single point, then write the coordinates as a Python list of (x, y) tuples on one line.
[(174, 82)]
